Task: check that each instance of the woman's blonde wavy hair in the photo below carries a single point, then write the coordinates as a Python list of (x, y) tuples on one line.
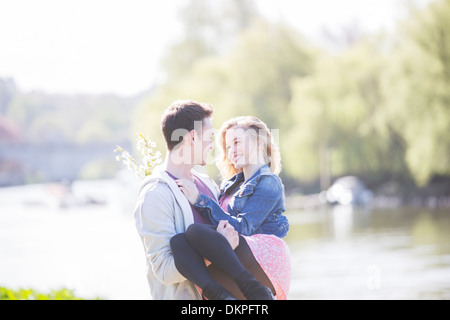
[(266, 142)]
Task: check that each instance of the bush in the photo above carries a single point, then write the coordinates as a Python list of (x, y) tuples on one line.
[(31, 294)]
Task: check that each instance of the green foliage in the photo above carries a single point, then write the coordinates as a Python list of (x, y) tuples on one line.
[(418, 90), (380, 106), (204, 23), (339, 108), (31, 294), (252, 78)]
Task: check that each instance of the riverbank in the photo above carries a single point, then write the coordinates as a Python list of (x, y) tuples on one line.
[(436, 194), (391, 194)]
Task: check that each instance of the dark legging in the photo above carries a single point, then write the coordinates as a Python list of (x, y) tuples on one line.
[(201, 242)]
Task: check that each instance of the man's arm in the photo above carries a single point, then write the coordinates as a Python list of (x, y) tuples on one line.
[(156, 226)]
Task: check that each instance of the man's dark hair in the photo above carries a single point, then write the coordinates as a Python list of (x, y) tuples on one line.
[(182, 114)]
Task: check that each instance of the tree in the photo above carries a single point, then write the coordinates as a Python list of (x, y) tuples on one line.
[(418, 89), (210, 28), (377, 108), (340, 124), (9, 131), (7, 91), (253, 78)]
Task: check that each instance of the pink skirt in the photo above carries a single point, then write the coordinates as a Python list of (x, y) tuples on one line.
[(272, 254)]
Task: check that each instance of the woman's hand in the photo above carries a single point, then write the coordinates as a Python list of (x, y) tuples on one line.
[(189, 189), (228, 231)]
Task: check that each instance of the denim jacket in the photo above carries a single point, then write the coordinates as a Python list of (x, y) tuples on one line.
[(256, 207)]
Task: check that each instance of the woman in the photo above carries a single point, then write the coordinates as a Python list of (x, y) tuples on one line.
[(252, 201)]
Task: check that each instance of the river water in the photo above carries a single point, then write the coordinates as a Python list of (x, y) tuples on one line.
[(337, 253), (350, 253)]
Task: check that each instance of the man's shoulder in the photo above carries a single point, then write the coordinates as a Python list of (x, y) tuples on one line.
[(155, 188), (156, 199)]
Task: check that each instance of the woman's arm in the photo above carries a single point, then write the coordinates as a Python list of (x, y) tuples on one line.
[(223, 226), (256, 209)]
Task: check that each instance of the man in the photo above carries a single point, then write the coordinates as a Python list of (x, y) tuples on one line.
[(162, 210)]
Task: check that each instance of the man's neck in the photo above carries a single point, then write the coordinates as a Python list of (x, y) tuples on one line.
[(179, 170)]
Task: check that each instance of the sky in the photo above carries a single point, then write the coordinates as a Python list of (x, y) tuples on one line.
[(115, 46)]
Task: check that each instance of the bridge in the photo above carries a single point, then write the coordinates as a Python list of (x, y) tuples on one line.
[(49, 162)]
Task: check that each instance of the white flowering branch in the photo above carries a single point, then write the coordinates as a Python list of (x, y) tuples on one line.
[(150, 159)]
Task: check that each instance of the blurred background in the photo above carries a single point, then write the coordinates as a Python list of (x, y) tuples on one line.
[(359, 91)]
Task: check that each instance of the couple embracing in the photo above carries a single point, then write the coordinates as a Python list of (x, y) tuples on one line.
[(204, 242)]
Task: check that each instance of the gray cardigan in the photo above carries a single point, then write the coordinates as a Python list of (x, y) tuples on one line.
[(162, 211)]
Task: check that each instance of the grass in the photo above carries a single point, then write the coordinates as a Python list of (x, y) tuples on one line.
[(31, 294)]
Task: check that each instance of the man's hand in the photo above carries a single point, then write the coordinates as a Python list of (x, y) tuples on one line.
[(227, 230)]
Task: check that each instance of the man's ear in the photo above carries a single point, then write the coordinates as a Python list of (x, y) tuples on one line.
[(192, 135)]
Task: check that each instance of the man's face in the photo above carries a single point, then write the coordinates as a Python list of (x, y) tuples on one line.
[(203, 143)]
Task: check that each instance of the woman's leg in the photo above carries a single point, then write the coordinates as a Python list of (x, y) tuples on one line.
[(213, 246), (191, 265), (249, 262), (188, 262)]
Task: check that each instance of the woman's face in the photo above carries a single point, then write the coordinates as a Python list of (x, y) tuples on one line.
[(241, 147)]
